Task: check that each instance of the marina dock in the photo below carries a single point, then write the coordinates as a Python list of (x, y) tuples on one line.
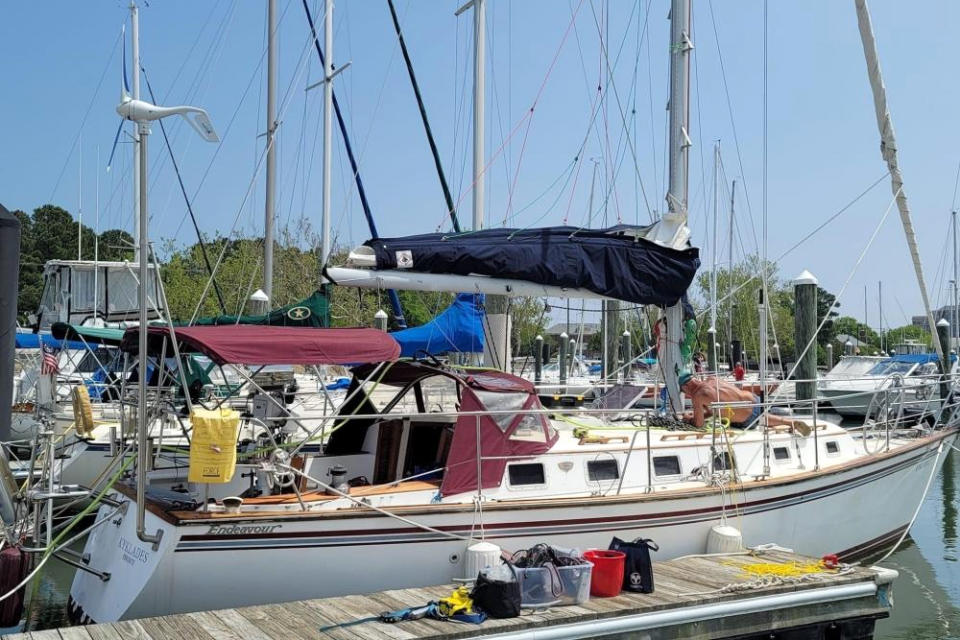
[(773, 594)]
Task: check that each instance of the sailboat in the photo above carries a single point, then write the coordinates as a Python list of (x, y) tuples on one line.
[(452, 456)]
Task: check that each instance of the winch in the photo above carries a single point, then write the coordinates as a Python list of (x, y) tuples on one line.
[(338, 475)]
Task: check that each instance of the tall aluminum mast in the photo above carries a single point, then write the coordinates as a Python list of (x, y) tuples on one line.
[(327, 131), (673, 225), (268, 217)]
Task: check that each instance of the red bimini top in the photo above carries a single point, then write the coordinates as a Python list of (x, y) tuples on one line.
[(264, 344)]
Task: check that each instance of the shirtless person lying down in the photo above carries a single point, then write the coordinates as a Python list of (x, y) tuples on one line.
[(703, 393)]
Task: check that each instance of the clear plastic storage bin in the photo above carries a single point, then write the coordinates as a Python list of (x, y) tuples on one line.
[(535, 585)]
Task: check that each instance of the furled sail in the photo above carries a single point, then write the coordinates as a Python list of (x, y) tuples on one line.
[(617, 262)]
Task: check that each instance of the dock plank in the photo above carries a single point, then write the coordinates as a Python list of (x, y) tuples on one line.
[(213, 625), (103, 632), (241, 626), (275, 622), (181, 627), (74, 633)]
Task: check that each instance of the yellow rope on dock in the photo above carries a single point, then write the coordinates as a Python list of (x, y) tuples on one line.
[(782, 570)]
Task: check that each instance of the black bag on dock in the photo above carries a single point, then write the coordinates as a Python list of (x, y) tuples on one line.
[(637, 567), (497, 598)]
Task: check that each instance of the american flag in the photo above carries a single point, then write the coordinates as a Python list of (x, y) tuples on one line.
[(51, 360)]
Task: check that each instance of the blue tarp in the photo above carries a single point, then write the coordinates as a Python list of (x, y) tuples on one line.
[(32, 341), (458, 328), (617, 262), (919, 358)]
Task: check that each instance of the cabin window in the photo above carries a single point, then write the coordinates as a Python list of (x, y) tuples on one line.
[(781, 453), (496, 401), (833, 447), (601, 470), (666, 466), (526, 474), (529, 429), (723, 462)]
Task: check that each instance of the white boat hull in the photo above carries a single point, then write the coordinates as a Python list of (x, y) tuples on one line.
[(851, 511)]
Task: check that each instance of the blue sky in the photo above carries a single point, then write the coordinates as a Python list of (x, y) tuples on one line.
[(822, 139)]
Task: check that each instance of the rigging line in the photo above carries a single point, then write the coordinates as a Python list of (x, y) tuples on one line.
[(733, 126), (83, 120), (653, 135), (568, 173), (956, 183), (491, 35), (836, 300), (695, 62), (806, 237), (448, 198), (298, 157), (549, 209), (196, 41), (250, 187), (223, 138), (194, 95), (623, 118), (183, 190), (536, 100)]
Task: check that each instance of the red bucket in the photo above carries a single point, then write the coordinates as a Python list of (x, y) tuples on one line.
[(607, 578)]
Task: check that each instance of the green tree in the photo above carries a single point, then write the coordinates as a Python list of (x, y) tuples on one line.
[(738, 290), (826, 309), (908, 333), (851, 327)]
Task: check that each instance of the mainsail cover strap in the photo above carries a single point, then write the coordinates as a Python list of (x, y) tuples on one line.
[(617, 262)]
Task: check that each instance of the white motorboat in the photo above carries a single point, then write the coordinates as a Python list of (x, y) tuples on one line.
[(859, 385)]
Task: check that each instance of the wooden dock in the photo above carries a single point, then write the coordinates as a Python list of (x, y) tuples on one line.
[(695, 597)]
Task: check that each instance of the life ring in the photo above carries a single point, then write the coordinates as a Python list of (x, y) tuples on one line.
[(82, 410)]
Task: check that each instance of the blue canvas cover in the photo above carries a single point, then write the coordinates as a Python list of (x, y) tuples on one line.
[(457, 328), (919, 358), (616, 262), (32, 341)]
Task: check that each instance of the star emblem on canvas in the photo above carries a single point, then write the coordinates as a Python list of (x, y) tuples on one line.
[(298, 313)]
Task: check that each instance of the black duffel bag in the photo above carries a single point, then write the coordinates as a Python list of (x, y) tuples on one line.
[(637, 566), (497, 598)]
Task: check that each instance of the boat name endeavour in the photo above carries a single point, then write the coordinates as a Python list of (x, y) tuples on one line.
[(240, 530)]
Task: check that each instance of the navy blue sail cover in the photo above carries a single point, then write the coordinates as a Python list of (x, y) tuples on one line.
[(614, 262)]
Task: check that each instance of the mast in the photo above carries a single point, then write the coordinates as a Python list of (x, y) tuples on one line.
[(80, 208), (479, 94), (96, 241), (327, 130), (888, 149), (135, 46), (956, 283), (733, 191), (880, 311), (354, 168), (496, 350), (674, 230), (712, 332), (269, 216)]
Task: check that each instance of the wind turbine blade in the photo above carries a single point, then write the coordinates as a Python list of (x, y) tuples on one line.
[(200, 121), (113, 149), (125, 87)]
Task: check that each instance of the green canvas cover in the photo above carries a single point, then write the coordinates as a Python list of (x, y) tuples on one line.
[(310, 312)]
